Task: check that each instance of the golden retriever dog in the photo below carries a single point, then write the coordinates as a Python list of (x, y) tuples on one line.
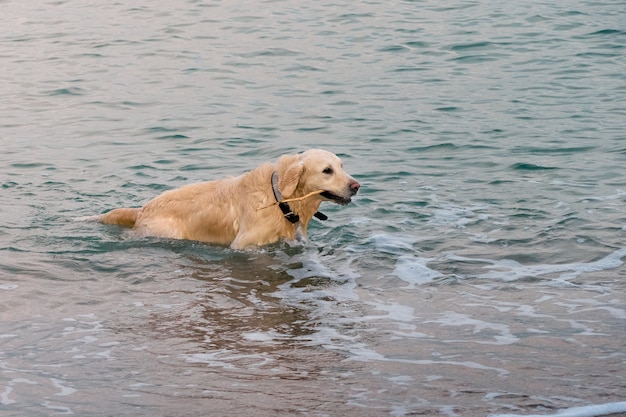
[(248, 210)]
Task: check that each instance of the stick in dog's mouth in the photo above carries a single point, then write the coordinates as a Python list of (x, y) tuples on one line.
[(289, 200)]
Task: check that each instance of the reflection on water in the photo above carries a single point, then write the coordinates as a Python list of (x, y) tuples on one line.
[(282, 330), (237, 309)]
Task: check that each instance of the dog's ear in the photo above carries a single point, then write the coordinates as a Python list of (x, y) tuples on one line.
[(290, 169)]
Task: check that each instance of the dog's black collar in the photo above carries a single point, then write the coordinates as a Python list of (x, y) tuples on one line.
[(284, 207)]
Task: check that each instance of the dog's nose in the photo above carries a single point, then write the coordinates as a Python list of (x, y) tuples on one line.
[(354, 187)]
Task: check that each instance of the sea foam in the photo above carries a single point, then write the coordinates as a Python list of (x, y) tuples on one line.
[(585, 411), (510, 270)]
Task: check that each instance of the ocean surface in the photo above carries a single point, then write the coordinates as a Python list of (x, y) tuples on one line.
[(478, 272)]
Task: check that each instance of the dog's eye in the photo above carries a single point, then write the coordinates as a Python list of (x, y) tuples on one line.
[(328, 171)]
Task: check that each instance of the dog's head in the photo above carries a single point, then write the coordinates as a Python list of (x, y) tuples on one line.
[(314, 170)]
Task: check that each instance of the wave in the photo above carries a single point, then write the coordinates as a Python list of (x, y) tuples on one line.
[(510, 270), (585, 411)]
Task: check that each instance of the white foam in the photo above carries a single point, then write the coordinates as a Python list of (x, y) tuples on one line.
[(360, 352), (505, 336), (510, 270), (64, 391), (5, 396), (104, 354), (261, 337), (396, 312), (408, 267), (313, 265), (401, 379), (9, 287), (58, 409), (586, 411), (460, 217), (414, 270), (615, 312), (392, 244)]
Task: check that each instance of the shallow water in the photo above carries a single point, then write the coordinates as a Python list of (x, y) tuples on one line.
[(479, 271)]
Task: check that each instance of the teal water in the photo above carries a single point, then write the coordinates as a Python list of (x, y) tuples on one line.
[(479, 271)]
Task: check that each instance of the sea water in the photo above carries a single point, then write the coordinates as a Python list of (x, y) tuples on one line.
[(479, 271)]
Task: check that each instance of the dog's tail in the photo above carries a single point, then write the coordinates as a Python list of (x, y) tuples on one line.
[(121, 216)]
